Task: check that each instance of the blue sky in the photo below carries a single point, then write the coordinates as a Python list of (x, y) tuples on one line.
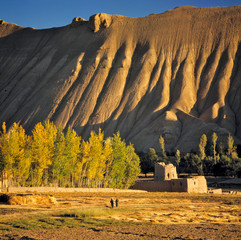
[(55, 13)]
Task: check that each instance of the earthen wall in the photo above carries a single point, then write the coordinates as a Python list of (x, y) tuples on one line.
[(179, 185), (191, 185), (150, 186), (197, 184)]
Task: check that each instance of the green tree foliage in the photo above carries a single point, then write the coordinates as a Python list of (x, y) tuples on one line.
[(42, 151), (95, 159), (231, 149), (108, 154), (6, 161), (132, 170), (145, 164), (177, 159), (228, 165), (50, 157), (83, 164), (148, 160), (202, 146), (58, 170), (118, 166), (19, 152), (191, 163), (217, 163), (152, 156), (71, 154), (97, 163), (208, 165), (223, 167), (230, 143), (14, 154), (162, 146), (125, 165), (214, 145)]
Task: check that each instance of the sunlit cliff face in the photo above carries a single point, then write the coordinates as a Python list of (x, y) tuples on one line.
[(176, 74)]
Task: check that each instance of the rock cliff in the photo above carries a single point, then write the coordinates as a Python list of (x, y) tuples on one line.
[(176, 74)]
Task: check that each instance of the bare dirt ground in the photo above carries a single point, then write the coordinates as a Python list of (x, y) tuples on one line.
[(139, 216), (170, 231)]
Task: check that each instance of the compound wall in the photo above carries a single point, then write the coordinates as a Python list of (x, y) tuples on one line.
[(195, 184), (151, 186)]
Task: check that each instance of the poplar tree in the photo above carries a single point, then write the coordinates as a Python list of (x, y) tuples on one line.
[(178, 159), (108, 153), (104, 151), (71, 153), (133, 169), (118, 166), (202, 146), (58, 167), (83, 162), (96, 150), (6, 161), (96, 165), (42, 151), (231, 149), (162, 145), (214, 144), (148, 161), (152, 156), (49, 156), (18, 151)]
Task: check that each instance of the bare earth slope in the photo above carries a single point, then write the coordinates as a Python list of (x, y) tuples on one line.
[(176, 74)]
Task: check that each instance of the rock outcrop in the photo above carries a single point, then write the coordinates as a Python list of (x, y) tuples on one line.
[(77, 21), (99, 21), (176, 74)]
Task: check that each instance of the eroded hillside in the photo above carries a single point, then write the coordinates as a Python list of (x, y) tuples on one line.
[(176, 74)]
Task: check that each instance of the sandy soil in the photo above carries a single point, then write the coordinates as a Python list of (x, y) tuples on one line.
[(170, 231)]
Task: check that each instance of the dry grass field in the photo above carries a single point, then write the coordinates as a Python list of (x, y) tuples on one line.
[(140, 215)]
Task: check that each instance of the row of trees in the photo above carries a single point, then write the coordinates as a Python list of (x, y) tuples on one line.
[(51, 157), (212, 158)]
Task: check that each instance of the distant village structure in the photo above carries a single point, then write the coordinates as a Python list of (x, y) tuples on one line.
[(165, 172), (166, 180)]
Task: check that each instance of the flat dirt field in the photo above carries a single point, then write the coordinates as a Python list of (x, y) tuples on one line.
[(140, 215)]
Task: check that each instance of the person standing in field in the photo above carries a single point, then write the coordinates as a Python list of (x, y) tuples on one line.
[(112, 202), (117, 202)]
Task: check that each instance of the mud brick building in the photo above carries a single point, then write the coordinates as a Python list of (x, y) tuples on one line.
[(166, 180)]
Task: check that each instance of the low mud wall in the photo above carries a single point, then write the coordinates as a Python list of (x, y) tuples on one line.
[(151, 186), (60, 189)]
